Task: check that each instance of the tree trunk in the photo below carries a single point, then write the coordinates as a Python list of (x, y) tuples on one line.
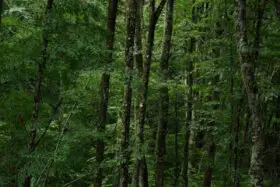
[(139, 66), (211, 151), (164, 97), (248, 60), (1, 9), (189, 102), (177, 166), (277, 8), (37, 94), (104, 88), (140, 163), (129, 50), (236, 150)]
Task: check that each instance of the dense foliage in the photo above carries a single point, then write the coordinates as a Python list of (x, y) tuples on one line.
[(156, 93)]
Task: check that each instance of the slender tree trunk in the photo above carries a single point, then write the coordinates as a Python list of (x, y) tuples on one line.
[(139, 66), (1, 9), (164, 97), (40, 71), (140, 163), (248, 60), (129, 50), (185, 173), (177, 167), (208, 171), (236, 150), (104, 88), (244, 139), (277, 8)]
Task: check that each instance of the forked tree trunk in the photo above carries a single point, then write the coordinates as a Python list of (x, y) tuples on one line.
[(104, 88), (140, 168), (248, 60), (129, 50), (164, 97)]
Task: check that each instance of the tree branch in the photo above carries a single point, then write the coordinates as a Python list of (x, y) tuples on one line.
[(49, 122), (159, 10)]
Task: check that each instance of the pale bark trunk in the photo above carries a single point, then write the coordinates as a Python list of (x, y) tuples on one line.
[(129, 50), (104, 88), (248, 60), (164, 97), (185, 169)]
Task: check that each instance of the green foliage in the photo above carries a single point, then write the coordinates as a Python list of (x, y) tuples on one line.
[(76, 58)]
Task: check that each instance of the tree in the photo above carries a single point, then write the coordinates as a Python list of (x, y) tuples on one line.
[(37, 95), (140, 163), (164, 97), (248, 60), (104, 87), (1, 9), (129, 50)]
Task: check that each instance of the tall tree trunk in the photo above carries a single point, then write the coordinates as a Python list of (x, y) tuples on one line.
[(211, 149), (37, 94), (177, 166), (139, 66), (189, 102), (129, 50), (104, 88), (164, 97), (248, 60), (244, 139), (140, 163), (277, 8), (236, 150), (1, 9)]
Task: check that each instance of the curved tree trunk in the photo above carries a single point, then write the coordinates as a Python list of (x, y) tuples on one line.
[(164, 97), (104, 88)]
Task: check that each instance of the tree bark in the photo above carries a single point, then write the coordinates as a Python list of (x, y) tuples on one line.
[(129, 50), (104, 88), (139, 66), (248, 60), (164, 97), (140, 163), (189, 102)]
